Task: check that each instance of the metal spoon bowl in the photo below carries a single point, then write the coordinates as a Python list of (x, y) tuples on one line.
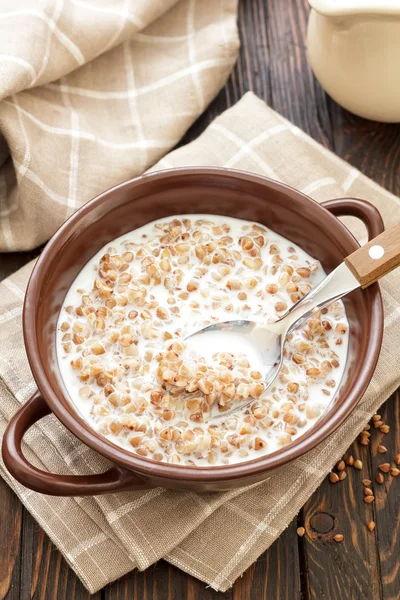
[(269, 338)]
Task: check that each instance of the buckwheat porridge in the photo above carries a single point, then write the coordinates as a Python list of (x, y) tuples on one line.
[(128, 370)]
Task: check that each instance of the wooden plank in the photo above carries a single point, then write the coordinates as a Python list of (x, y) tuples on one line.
[(372, 147), (276, 574), (339, 508), (10, 543), (161, 582), (295, 94), (15, 260), (386, 508), (251, 69), (11, 510), (44, 573), (348, 570)]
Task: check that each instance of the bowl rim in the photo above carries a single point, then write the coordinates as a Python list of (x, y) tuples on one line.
[(148, 467)]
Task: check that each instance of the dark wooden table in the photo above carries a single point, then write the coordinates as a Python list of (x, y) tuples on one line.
[(365, 566)]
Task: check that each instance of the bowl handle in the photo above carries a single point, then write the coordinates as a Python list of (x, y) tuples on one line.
[(115, 479), (363, 210)]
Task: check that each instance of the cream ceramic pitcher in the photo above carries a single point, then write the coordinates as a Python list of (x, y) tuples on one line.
[(354, 51)]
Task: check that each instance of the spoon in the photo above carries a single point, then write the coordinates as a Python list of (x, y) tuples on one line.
[(266, 340)]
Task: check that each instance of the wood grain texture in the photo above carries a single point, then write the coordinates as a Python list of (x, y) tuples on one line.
[(161, 581), (373, 148), (368, 269), (273, 64), (15, 260), (348, 570), (366, 564), (276, 574), (387, 500), (10, 543), (44, 573)]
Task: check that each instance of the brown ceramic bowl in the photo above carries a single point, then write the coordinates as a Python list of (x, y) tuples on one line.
[(312, 226)]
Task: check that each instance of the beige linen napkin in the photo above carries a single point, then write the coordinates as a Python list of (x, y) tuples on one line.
[(215, 537), (132, 76)]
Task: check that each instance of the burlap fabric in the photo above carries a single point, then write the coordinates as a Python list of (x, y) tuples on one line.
[(215, 537)]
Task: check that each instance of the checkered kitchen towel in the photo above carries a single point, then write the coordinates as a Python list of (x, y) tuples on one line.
[(93, 93), (215, 537)]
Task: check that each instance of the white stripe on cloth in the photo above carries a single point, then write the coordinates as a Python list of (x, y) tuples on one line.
[(191, 46), (319, 183), (350, 179), (246, 148), (6, 209), (223, 25), (37, 181), (210, 63), (359, 410), (5, 212), (308, 468), (135, 113), (9, 315), (8, 366), (87, 544), (23, 394), (141, 559), (158, 39), (19, 61), (123, 20), (52, 24), (27, 153), (9, 240), (74, 154), (246, 516), (76, 454), (62, 38), (390, 319), (91, 136), (137, 503), (182, 565), (111, 11), (13, 288)]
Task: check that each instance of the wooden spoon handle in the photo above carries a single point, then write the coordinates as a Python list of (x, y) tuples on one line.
[(377, 258)]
